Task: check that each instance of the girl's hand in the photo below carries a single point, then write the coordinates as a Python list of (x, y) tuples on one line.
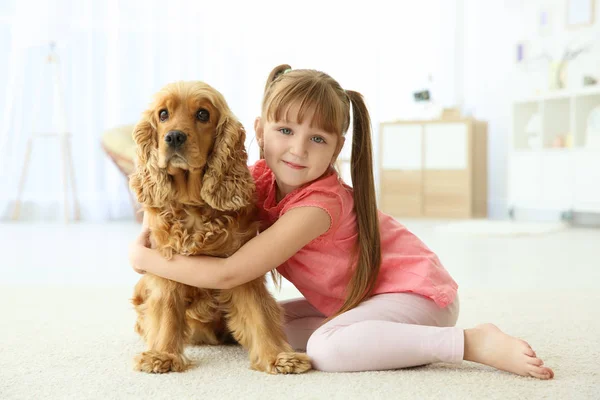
[(136, 248)]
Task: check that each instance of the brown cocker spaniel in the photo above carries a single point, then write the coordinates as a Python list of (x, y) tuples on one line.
[(194, 185)]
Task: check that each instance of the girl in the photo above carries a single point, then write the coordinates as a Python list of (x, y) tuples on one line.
[(376, 297)]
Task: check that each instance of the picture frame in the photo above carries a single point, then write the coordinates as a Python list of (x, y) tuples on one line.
[(580, 13)]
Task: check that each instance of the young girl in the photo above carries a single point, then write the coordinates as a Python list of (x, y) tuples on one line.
[(376, 297)]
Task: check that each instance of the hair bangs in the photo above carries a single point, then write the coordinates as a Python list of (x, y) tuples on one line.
[(314, 99)]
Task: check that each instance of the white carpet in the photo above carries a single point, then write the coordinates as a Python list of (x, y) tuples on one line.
[(78, 343), (484, 227)]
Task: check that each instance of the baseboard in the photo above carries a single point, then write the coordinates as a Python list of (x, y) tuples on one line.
[(583, 219), (586, 219), (541, 215)]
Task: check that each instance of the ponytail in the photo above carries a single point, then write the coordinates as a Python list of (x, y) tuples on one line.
[(275, 73), (368, 251)]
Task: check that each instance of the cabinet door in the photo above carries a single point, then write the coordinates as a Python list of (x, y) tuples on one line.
[(401, 163), (446, 146), (401, 146), (587, 181), (557, 180), (447, 177), (525, 176)]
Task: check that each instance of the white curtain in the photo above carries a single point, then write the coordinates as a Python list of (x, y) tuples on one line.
[(116, 54)]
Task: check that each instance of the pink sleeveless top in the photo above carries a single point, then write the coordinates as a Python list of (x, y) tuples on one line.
[(321, 270)]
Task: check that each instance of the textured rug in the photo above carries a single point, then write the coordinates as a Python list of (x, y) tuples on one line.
[(78, 343), (485, 227)]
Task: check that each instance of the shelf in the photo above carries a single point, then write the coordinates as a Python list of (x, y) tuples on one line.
[(556, 150), (583, 106), (556, 120), (559, 94), (522, 117), (550, 167)]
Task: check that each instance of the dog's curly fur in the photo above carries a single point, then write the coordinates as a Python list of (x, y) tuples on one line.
[(199, 199)]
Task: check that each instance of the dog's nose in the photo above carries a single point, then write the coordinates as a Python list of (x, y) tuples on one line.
[(175, 139)]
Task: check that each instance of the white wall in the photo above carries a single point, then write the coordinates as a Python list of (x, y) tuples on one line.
[(487, 69), (118, 53)]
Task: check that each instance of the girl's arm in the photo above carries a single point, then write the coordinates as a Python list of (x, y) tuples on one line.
[(295, 229)]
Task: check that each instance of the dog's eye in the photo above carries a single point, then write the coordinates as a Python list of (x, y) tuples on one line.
[(202, 115), (163, 115)]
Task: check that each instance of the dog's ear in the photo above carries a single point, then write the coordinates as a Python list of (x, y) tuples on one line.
[(152, 185), (227, 184)]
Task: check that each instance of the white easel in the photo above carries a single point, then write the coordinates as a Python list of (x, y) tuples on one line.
[(64, 137)]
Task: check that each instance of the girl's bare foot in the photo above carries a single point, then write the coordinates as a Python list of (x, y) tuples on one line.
[(487, 344)]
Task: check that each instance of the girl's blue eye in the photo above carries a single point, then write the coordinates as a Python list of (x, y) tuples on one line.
[(285, 131), (318, 139)]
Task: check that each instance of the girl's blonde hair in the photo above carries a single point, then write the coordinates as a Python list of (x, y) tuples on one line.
[(318, 92)]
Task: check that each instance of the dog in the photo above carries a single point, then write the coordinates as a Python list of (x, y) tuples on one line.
[(197, 194)]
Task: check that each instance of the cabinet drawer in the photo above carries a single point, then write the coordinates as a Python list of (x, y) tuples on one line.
[(446, 205), (398, 182), (401, 205), (401, 193), (447, 181), (446, 194)]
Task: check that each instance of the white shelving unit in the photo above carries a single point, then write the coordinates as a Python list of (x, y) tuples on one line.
[(544, 176)]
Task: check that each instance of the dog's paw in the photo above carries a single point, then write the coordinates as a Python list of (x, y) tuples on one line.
[(160, 363), (291, 363)]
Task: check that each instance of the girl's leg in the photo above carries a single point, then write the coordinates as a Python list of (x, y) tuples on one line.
[(388, 331), (301, 320), (400, 330)]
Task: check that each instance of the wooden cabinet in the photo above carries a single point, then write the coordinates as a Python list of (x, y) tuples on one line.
[(433, 168)]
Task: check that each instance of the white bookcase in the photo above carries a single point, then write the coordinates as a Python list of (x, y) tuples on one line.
[(556, 172)]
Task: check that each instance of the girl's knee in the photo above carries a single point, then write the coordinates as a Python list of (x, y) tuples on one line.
[(324, 354)]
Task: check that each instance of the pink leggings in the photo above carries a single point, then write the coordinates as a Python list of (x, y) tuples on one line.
[(387, 331)]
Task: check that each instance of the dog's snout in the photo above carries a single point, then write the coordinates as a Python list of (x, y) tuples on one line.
[(175, 139)]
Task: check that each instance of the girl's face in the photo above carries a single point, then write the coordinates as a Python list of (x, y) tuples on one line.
[(296, 153)]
